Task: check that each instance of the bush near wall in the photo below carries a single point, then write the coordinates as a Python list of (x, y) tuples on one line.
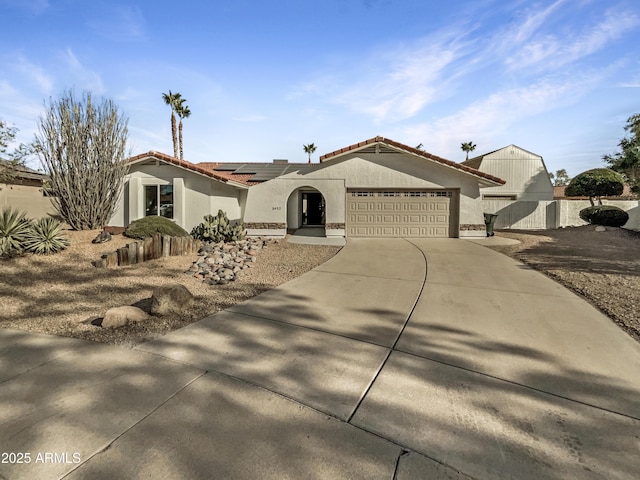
[(147, 226), (605, 215)]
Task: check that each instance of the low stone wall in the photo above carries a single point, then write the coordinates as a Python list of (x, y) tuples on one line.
[(265, 226), (151, 248), (334, 226)]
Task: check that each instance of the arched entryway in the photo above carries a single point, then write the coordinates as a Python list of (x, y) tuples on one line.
[(306, 208)]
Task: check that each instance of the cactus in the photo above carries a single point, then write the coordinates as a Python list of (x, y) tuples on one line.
[(218, 229)]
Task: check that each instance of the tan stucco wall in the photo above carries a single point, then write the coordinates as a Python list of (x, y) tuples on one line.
[(267, 202), (194, 195), (26, 198), (569, 210)]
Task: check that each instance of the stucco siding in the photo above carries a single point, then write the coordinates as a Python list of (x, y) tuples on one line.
[(194, 195), (270, 202), (26, 198)]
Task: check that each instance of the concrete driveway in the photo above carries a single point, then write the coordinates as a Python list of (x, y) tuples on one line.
[(395, 359)]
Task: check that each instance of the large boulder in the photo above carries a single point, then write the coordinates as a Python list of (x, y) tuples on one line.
[(121, 316), (173, 298)]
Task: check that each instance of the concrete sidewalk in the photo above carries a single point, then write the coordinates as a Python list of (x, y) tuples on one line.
[(366, 367)]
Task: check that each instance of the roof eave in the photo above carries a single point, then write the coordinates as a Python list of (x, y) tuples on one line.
[(177, 163), (494, 181)]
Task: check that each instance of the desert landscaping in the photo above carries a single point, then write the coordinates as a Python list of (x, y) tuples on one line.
[(63, 294), (601, 266)]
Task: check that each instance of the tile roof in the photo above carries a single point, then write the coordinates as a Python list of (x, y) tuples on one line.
[(180, 163), (22, 171), (415, 151)]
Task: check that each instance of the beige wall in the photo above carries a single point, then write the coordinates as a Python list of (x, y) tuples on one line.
[(568, 212), (540, 215), (525, 173), (25, 198), (195, 195), (270, 202)]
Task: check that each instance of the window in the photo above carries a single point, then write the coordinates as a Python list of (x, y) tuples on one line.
[(158, 200)]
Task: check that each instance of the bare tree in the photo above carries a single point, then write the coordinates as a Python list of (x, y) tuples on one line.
[(81, 145), (560, 178), (11, 162)]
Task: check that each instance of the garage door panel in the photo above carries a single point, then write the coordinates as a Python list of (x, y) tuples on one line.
[(399, 213)]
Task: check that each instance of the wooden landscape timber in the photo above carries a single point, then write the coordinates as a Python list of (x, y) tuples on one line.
[(151, 248)]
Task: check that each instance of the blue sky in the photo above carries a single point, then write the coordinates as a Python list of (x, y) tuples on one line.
[(262, 78)]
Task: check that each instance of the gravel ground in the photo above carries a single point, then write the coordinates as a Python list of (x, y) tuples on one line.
[(61, 294), (602, 267)]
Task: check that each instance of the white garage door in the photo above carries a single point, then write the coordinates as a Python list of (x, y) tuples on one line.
[(399, 213)]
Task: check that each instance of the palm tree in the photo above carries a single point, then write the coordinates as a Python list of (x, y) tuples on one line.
[(173, 100), (183, 111), (309, 149), (468, 147)]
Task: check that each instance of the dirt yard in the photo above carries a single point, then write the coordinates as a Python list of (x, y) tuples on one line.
[(61, 294), (603, 267)]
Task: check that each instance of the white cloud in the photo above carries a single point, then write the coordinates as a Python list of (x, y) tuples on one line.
[(396, 84), (489, 117), (83, 77), (552, 51), (533, 21)]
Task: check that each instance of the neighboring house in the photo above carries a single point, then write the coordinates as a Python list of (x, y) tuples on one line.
[(24, 192), (376, 188), (526, 175)]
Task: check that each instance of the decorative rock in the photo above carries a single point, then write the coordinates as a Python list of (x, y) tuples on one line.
[(600, 229), (102, 237), (221, 263), (172, 298), (121, 316)]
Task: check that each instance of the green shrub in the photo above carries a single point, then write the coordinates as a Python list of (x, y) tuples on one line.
[(14, 227), (605, 215), (45, 237), (218, 229), (147, 226), (596, 183)]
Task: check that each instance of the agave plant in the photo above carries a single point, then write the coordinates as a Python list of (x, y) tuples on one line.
[(14, 228), (45, 237)]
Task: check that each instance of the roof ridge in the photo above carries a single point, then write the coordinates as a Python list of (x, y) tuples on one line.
[(415, 151)]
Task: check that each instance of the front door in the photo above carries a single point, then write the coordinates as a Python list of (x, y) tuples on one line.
[(312, 208)]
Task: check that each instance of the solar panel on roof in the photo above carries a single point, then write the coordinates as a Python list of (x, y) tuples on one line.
[(228, 167), (245, 168)]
